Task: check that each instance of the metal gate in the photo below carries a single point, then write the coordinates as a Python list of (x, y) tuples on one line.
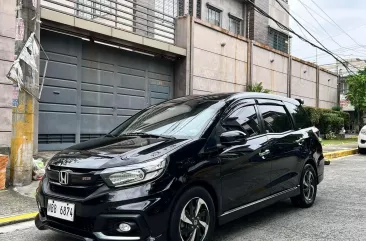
[(91, 88)]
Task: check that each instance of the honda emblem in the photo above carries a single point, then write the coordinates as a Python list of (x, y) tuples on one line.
[(63, 177)]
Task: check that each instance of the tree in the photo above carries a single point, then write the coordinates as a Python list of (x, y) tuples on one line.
[(257, 87), (357, 92)]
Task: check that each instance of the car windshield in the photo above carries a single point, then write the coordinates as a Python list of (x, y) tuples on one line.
[(180, 118)]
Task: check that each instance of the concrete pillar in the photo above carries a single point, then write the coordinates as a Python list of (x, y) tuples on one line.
[(250, 63), (23, 116), (289, 75), (182, 73), (317, 85)]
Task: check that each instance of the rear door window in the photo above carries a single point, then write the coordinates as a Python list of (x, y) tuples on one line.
[(298, 113), (275, 118)]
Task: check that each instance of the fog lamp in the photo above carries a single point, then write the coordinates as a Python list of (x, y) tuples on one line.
[(124, 227)]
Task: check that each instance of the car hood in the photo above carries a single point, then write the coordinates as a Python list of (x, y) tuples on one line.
[(107, 152)]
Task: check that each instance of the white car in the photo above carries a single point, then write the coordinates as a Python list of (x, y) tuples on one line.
[(362, 140)]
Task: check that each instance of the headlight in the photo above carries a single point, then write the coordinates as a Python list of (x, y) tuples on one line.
[(129, 175), (363, 132)]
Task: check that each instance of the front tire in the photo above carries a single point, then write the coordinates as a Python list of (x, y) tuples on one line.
[(361, 150), (193, 217), (308, 188)]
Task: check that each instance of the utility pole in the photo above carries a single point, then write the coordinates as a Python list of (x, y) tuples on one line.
[(24, 106)]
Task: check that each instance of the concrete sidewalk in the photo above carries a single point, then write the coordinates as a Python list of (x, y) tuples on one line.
[(340, 147), (16, 207)]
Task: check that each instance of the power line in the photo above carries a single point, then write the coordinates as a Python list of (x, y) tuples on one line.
[(307, 9), (336, 23), (337, 35), (339, 50), (323, 48)]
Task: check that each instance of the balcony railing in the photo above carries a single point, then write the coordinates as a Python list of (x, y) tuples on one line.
[(155, 20)]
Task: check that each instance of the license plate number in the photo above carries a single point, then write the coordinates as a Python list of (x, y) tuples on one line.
[(61, 210)]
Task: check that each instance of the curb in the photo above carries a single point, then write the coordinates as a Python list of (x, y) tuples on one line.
[(17, 219), (337, 154)]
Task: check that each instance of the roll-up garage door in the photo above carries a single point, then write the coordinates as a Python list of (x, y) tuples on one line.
[(91, 88)]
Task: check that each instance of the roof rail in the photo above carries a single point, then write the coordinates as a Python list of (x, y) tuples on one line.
[(301, 101)]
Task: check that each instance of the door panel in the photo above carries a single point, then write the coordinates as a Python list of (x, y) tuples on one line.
[(283, 147), (245, 173)]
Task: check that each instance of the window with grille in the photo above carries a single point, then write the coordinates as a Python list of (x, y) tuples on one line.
[(278, 40), (199, 9), (234, 25), (93, 9), (214, 15), (169, 8), (104, 9)]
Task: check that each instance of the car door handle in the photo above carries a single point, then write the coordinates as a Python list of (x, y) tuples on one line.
[(264, 153), (300, 141)]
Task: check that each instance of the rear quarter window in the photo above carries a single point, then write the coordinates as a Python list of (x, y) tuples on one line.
[(298, 113)]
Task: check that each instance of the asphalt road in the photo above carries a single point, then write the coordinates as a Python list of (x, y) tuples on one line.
[(339, 213)]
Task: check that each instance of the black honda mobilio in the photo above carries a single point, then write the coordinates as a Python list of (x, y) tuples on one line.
[(175, 170)]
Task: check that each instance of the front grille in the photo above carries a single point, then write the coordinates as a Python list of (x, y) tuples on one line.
[(73, 191), (81, 182), (363, 141)]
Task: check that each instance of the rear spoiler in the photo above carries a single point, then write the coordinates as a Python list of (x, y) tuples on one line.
[(301, 101)]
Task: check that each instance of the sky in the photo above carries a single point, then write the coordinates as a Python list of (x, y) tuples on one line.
[(350, 15)]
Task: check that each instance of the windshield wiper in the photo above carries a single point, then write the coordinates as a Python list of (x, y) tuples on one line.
[(142, 134), (110, 135)]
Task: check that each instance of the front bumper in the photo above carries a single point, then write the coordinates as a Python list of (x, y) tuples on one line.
[(97, 216), (362, 141)]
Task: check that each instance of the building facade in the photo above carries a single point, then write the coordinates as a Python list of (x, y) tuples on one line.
[(111, 58)]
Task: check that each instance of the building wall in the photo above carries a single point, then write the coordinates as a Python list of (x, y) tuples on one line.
[(260, 22), (218, 68), (327, 90), (303, 82), (7, 36), (270, 68), (277, 12), (221, 63)]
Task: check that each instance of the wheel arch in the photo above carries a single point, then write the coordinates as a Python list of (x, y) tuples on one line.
[(207, 186), (313, 164)]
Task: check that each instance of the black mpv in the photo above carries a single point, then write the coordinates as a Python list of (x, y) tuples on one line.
[(176, 169)]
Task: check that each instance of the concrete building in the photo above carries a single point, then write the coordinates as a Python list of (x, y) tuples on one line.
[(111, 58), (7, 36)]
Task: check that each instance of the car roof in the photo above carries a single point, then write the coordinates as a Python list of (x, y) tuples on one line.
[(228, 97)]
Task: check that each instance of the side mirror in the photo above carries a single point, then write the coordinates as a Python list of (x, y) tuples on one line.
[(233, 138)]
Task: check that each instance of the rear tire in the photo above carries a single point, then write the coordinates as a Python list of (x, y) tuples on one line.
[(308, 188), (188, 220)]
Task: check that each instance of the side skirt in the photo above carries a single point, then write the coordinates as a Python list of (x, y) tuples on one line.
[(259, 204)]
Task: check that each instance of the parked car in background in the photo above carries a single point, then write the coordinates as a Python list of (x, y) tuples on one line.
[(177, 169), (362, 140)]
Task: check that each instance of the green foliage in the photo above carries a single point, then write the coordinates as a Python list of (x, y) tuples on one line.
[(346, 117), (327, 120), (336, 108), (330, 122), (357, 89), (257, 87), (314, 114)]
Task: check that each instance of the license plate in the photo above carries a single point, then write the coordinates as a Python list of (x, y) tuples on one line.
[(61, 210)]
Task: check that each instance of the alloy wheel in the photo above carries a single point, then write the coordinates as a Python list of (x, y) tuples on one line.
[(194, 220), (309, 186)]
